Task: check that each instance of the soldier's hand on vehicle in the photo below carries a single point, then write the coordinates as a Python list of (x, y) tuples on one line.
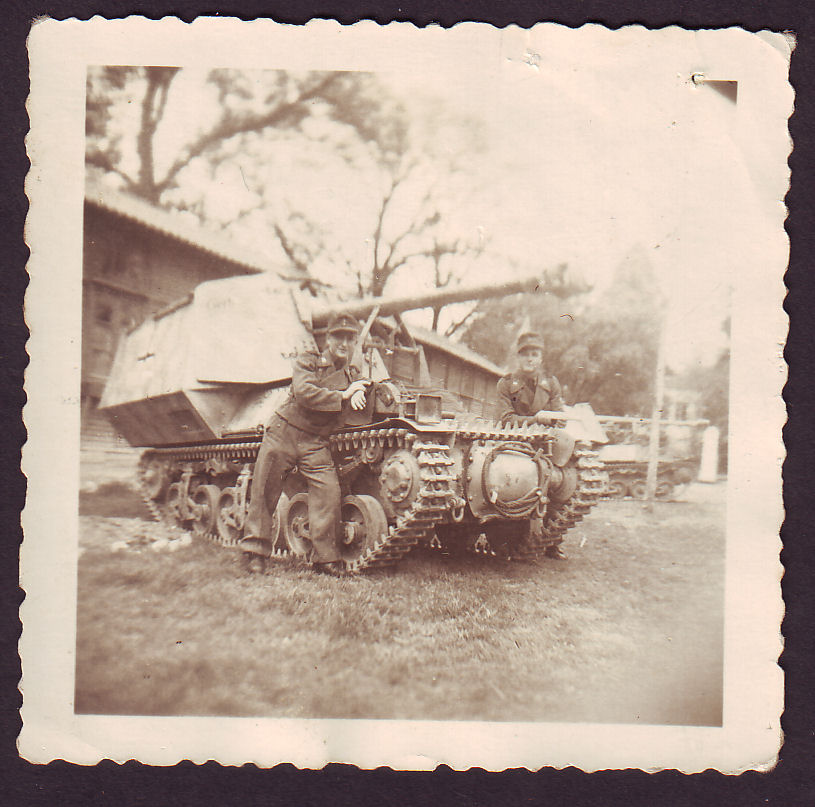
[(358, 400), (543, 417), (356, 386)]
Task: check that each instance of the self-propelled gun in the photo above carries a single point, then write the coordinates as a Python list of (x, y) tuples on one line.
[(195, 384)]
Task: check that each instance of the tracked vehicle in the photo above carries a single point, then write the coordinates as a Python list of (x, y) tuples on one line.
[(196, 383), (625, 457)]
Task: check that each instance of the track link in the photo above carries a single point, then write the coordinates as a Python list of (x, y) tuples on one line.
[(157, 512), (244, 451), (416, 524), (591, 486), (430, 506)]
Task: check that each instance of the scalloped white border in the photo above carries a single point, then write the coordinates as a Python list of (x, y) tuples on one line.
[(750, 737)]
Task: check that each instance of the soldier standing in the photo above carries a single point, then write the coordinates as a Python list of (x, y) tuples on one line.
[(297, 435), (525, 394)]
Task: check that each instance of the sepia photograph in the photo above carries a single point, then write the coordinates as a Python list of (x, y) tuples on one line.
[(405, 389)]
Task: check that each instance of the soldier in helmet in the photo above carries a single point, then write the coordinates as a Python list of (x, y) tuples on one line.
[(323, 386), (525, 394)]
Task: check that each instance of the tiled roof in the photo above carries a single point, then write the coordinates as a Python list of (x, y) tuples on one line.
[(434, 339), (171, 224)]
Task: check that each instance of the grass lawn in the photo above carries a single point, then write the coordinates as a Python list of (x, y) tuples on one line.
[(629, 629)]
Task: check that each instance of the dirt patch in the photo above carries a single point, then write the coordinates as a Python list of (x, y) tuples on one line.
[(628, 630)]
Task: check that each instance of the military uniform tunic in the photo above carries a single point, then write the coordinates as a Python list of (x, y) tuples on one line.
[(297, 435), (521, 396)]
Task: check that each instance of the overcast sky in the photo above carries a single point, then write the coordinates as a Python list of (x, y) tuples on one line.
[(600, 153), (595, 148)]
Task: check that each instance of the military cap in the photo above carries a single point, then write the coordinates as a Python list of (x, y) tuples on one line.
[(343, 323), (529, 340)]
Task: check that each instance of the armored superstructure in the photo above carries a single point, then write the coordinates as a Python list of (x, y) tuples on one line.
[(196, 383)]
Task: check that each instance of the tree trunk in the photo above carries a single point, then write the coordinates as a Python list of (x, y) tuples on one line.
[(152, 111), (436, 312)]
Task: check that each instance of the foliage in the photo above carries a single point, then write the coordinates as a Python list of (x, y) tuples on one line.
[(247, 104), (277, 153), (712, 382), (601, 346)]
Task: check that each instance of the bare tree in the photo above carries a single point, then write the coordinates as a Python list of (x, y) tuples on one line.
[(246, 105), (410, 192), (425, 234), (104, 88), (443, 277), (247, 120), (389, 253)]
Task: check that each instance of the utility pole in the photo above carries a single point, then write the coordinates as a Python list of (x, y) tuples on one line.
[(656, 414)]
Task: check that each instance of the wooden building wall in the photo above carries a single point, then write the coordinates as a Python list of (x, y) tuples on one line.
[(129, 272), (474, 385)]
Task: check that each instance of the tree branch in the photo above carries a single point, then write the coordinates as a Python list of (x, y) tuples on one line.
[(415, 227), (392, 267), (289, 249), (228, 127), (158, 82), (244, 214), (451, 329), (380, 222), (103, 161), (162, 101)]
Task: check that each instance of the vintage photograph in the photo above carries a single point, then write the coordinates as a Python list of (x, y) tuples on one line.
[(404, 389)]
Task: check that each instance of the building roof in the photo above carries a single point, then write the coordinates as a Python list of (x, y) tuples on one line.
[(434, 339), (172, 225)]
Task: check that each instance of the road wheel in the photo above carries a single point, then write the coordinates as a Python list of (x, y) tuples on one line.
[(228, 520), (638, 489), (665, 489), (364, 523), (294, 520), (617, 489), (175, 503), (205, 510)]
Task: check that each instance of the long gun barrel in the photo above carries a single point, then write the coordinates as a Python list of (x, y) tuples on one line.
[(394, 305)]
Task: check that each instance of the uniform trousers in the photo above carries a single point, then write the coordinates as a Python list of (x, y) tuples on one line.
[(284, 447)]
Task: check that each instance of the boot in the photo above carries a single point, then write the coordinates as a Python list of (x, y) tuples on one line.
[(334, 568), (254, 554), (253, 563), (256, 546), (554, 552)]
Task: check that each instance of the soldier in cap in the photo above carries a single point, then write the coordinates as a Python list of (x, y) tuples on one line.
[(526, 393), (323, 386)]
